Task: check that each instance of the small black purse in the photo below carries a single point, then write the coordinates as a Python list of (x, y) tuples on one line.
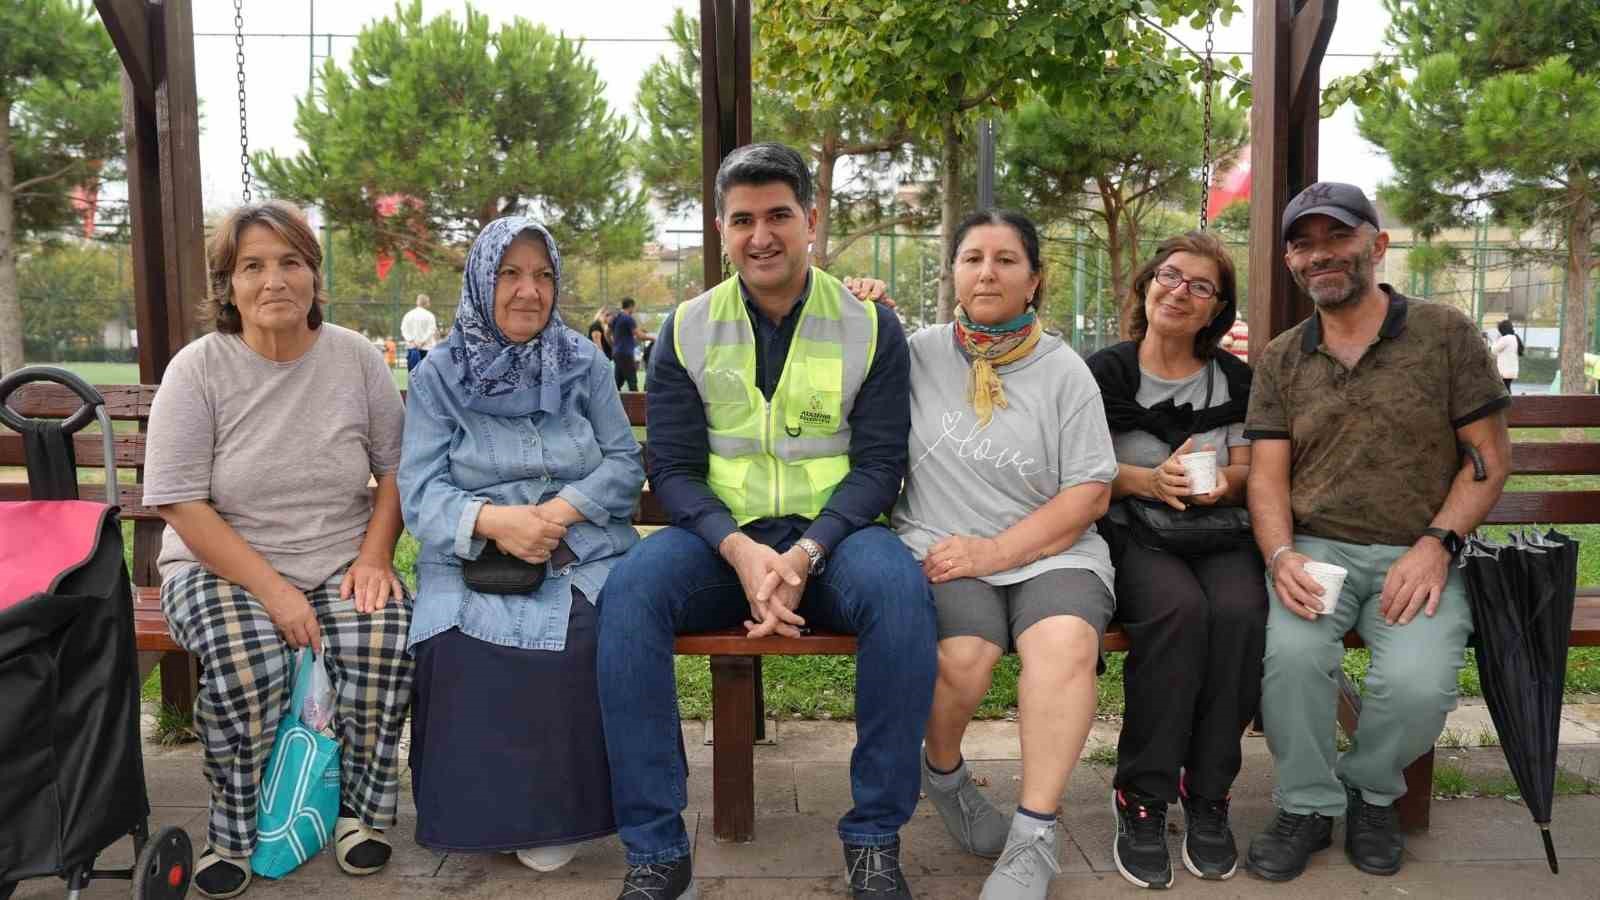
[(498, 572), (1196, 531)]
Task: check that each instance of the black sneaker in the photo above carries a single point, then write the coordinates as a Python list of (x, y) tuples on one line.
[(1372, 840), (1208, 848), (874, 872), (659, 881), (1140, 849), (1280, 852)]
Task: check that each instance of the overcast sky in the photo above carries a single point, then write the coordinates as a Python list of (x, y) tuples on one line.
[(625, 37)]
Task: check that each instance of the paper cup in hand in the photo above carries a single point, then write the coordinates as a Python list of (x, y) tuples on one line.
[(1202, 471), (1331, 577)]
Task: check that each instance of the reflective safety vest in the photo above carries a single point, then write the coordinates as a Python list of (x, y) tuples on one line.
[(785, 456)]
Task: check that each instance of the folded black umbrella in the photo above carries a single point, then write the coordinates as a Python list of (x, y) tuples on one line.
[(1522, 594)]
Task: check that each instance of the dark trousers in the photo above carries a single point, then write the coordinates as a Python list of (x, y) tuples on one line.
[(627, 371), (414, 358), (1192, 680)]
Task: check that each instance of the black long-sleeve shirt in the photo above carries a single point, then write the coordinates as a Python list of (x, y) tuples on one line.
[(880, 426)]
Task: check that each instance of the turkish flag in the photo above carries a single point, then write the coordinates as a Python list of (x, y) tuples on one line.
[(1230, 185), (387, 206)]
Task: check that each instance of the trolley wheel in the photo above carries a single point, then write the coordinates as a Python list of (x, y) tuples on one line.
[(163, 870)]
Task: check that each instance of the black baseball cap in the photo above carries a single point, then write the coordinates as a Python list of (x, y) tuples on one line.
[(1335, 199)]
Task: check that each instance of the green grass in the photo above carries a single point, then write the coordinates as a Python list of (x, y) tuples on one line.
[(1451, 781)]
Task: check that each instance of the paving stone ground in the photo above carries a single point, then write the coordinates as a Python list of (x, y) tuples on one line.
[(1476, 848)]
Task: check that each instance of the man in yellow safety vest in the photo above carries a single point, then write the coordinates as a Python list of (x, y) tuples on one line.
[(778, 424)]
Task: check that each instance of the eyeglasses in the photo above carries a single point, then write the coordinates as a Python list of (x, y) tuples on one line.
[(1199, 289)]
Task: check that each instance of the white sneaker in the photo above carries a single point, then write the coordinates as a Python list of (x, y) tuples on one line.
[(547, 859)]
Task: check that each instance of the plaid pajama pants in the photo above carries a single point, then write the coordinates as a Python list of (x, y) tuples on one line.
[(245, 690)]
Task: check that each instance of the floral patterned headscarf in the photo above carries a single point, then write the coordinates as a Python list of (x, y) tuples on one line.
[(491, 373)]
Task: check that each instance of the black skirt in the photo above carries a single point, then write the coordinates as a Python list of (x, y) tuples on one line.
[(507, 750)]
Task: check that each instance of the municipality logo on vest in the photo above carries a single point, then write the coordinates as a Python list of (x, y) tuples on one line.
[(814, 413)]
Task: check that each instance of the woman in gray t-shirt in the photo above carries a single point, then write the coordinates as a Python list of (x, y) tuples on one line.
[(1010, 466), (1196, 625), (264, 439)]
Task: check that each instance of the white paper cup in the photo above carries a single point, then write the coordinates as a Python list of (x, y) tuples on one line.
[(1202, 471), (1331, 577)]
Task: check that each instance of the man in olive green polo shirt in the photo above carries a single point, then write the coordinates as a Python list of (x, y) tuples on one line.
[(1355, 417)]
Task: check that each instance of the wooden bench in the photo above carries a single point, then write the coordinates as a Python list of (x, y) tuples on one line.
[(737, 702)]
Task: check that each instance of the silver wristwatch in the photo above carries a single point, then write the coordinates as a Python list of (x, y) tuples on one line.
[(813, 551)]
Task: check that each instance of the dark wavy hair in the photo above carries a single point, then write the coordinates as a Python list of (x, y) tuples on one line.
[(222, 254), (1026, 231), (1198, 243)]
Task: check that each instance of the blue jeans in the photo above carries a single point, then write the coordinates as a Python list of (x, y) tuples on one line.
[(671, 583)]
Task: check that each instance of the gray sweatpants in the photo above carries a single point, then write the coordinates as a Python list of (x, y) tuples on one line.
[(1410, 686)]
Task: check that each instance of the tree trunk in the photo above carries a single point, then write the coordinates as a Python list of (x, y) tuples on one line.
[(950, 158), (10, 305), (827, 159), (1575, 328)]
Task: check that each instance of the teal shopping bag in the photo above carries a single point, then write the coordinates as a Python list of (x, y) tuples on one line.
[(300, 788)]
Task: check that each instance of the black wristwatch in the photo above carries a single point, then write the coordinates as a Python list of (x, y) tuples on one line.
[(1452, 542)]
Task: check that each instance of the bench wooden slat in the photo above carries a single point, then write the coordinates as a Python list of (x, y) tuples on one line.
[(1554, 411), (47, 400), (1545, 508), (1557, 458), (633, 403), (88, 448), (131, 497)]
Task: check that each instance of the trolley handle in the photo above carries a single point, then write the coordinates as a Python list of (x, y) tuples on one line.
[(93, 409)]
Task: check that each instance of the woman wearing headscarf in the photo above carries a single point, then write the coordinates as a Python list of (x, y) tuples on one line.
[(1011, 464), (517, 451)]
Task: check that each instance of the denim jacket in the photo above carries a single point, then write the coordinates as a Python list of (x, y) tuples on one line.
[(454, 460)]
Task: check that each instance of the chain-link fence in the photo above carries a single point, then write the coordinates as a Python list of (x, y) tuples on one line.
[(1489, 280)]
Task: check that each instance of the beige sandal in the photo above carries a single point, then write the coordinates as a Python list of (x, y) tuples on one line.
[(348, 834), (211, 858)]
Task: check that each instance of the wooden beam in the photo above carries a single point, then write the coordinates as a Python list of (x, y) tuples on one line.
[(127, 21), (1308, 42), (162, 139), (1270, 311), (724, 109), (1288, 48), (178, 118)]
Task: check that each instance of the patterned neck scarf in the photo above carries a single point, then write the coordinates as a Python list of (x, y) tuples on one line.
[(492, 374), (991, 346)]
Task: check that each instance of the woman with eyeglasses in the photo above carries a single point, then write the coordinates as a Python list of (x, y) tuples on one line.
[(1196, 623)]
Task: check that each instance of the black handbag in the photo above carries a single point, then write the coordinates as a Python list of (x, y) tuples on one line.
[(498, 572), (1195, 531)]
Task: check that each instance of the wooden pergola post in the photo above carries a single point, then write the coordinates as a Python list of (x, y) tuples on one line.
[(724, 109), (160, 120), (155, 40), (1290, 39)]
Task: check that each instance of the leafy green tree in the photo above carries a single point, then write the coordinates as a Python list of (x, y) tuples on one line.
[(852, 156), (1502, 118), (935, 65), (1114, 160), (70, 293), (464, 125), (60, 127)]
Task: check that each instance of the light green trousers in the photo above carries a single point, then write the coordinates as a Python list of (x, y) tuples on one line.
[(1410, 686)]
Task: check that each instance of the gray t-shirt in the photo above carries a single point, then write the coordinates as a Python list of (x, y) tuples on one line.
[(967, 480), (283, 451), (1141, 448)]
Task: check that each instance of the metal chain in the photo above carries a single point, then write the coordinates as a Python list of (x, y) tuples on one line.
[(244, 135), (1205, 138)]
